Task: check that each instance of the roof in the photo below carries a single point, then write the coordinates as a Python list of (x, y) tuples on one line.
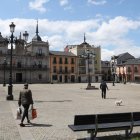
[(133, 61), (126, 53), (62, 53), (36, 38), (122, 58)]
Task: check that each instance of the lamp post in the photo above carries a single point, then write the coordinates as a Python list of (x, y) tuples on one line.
[(10, 86), (88, 55), (25, 37), (12, 40), (4, 66), (113, 70), (113, 76)]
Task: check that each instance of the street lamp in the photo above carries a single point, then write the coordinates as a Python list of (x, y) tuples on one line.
[(4, 65), (10, 86), (88, 55), (25, 37), (12, 40), (113, 76), (113, 70)]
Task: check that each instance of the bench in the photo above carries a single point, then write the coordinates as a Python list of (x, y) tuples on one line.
[(106, 122)]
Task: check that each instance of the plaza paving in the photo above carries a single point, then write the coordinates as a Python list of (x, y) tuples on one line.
[(56, 106)]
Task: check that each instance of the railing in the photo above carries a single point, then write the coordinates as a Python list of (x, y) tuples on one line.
[(40, 54), (23, 67)]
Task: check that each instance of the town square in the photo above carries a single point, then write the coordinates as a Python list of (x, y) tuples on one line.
[(56, 106), (70, 70)]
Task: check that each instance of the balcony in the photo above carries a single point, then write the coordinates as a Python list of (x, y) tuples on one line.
[(23, 67), (40, 54)]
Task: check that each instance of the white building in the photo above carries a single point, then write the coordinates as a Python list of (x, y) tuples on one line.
[(30, 61)]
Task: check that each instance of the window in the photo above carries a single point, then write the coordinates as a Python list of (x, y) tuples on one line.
[(60, 60), (54, 60), (54, 77), (82, 70), (60, 69), (54, 69), (66, 69), (136, 69), (40, 64), (40, 51), (40, 76), (19, 64), (72, 60), (90, 61), (82, 62), (72, 69), (129, 69), (66, 60)]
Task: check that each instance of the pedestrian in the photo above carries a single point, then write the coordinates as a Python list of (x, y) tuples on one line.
[(103, 87), (25, 99)]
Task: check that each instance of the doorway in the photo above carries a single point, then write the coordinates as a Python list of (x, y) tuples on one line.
[(18, 77)]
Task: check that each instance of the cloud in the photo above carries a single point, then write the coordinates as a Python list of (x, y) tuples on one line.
[(112, 35), (38, 5), (97, 2), (63, 2), (121, 1)]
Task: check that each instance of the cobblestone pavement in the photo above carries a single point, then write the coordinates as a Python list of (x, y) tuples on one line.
[(56, 106)]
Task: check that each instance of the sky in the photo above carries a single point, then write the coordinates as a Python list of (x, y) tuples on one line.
[(114, 25)]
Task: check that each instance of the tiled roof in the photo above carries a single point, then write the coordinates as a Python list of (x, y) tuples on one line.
[(61, 53), (133, 61)]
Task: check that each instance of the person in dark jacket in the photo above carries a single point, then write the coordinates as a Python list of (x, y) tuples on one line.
[(103, 87), (25, 99)]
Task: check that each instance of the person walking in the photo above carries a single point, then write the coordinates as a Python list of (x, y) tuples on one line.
[(25, 99), (103, 87)]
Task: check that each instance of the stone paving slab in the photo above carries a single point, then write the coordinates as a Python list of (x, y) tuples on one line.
[(58, 103), (8, 128)]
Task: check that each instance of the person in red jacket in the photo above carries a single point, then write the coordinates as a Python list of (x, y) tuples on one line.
[(25, 99)]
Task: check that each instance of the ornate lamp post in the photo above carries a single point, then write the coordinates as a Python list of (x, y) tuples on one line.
[(25, 37), (12, 40), (113, 70), (88, 55), (10, 86), (4, 66)]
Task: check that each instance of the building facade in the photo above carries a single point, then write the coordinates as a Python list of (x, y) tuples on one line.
[(130, 70), (87, 66), (30, 62), (106, 70), (33, 62), (118, 66), (63, 67)]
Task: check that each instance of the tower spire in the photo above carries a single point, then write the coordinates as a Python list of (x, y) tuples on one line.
[(37, 28), (37, 37), (84, 38)]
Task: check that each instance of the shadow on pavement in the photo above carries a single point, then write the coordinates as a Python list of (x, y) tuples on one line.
[(53, 101), (40, 101), (38, 125)]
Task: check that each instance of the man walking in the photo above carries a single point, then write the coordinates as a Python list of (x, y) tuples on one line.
[(103, 87), (25, 99)]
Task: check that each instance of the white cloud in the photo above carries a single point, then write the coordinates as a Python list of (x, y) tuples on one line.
[(63, 2), (111, 35), (97, 2), (38, 5)]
